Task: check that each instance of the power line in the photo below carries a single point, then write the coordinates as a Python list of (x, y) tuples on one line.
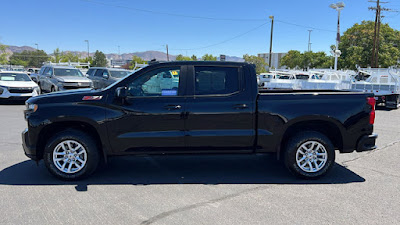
[(308, 27), (222, 42), (167, 13), (199, 17)]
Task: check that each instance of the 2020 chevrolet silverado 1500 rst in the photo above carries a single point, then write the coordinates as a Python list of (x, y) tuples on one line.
[(209, 107)]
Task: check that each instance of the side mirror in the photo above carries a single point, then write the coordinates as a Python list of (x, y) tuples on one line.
[(106, 76), (121, 92)]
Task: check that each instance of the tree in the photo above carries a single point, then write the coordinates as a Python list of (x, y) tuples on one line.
[(209, 57), (87, 59), (194, 58), (183, 58), (258, 61), (29, 58), (309, 59), (357, 43), (292, 59), (99, 59), (3, 54), (136, 60), (57, 55), (69, 57)]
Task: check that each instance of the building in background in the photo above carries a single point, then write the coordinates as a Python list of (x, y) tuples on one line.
[(118, 62), (275, 60)]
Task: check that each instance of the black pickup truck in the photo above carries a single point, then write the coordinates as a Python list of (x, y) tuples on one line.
[(196, 107)]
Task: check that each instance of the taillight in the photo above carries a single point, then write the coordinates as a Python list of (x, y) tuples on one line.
[(371, 101)]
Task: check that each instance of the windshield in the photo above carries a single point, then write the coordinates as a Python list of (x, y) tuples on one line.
[(302, 77), (67, 72), (14, 77), (119, 73)]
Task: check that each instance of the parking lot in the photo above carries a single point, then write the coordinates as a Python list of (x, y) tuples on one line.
[(362, 188)]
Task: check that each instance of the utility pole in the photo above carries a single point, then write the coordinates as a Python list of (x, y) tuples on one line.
[(87, 48), (270, 44), (37, 47), (309, 40), (167, 52), (375, 47)]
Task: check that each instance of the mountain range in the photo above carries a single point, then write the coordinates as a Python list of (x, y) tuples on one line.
[(146, 55)]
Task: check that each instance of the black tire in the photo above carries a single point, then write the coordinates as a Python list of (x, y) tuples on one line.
[(296, 142), (88, 143)]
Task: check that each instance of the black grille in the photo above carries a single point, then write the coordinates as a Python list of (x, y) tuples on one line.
[(20, 90)]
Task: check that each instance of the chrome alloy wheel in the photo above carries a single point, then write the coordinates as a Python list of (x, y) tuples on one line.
[(311, 156), (69, 156)]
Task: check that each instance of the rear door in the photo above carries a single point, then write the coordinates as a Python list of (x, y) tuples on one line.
[(220, 111)]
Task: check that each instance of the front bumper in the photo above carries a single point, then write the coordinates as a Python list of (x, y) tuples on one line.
[(17, 96), (367, 143), (29, 149)]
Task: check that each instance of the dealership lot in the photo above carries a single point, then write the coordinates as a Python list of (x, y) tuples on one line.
[(362, 187)]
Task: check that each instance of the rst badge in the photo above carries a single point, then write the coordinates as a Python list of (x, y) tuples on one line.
[(93, 98)]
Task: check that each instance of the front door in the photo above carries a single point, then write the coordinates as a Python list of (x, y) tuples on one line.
[(151, 118), (220, 114), (96, 79)]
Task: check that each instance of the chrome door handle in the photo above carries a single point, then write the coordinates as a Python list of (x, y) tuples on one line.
[(240, 106), (172, 107)]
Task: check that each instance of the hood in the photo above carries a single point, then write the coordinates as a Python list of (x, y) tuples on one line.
[(64, 96), (73, 79), (18, 84)]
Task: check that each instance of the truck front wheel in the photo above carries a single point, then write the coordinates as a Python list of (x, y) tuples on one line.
[(71, 155), (309, 155)]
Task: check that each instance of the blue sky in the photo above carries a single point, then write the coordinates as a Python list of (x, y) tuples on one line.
[(107, 24)]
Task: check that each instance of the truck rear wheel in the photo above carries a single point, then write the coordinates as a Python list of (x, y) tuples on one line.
[(71, 155), (309, 155)]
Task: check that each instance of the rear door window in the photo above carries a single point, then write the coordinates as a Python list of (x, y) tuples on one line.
[(216, 80)]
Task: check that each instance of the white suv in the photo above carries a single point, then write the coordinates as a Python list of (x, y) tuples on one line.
[(17, 86)]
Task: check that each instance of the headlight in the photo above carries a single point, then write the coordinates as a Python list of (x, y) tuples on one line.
[(31, 107)]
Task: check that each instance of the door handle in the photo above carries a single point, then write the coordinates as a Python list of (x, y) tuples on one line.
[(172, 107), (240, 106)]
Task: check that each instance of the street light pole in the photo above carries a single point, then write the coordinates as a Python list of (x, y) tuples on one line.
[(167, 53), (309, 40), (37, 47), (87, 48), (270, 43), (338, 7)]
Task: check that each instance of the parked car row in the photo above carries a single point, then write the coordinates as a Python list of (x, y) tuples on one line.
[(21, 85), (52, 78)]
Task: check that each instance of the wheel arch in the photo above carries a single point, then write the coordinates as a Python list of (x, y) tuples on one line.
[(50, 130), (325, 126)]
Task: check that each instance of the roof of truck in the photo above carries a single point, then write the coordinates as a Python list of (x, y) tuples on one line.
[(222, 63)]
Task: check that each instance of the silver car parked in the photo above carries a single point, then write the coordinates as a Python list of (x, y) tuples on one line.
[(60, 78)]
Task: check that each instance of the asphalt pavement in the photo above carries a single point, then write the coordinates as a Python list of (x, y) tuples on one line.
[(362, 188)]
